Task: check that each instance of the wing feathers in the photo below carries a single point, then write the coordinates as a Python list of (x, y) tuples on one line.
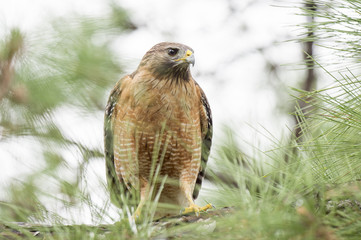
[(115, 185), (207, 132)]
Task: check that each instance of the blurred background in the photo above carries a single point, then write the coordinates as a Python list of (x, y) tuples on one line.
[(60, 59)]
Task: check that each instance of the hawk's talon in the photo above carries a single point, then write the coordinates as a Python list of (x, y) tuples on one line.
[(212, 206), (196, 209)]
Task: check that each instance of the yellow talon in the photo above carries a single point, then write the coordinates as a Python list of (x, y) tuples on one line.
[(196, 209)]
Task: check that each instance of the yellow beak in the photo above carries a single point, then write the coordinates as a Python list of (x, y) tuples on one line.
[(188, 57)]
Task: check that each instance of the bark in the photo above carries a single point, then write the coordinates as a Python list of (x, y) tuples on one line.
[(310, 78)]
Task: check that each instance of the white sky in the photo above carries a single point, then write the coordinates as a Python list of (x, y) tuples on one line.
[(238, 91)]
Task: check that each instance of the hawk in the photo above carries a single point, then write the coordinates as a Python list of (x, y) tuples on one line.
[(158, 131)]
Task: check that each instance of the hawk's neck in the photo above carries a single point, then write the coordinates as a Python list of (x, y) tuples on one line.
[(166, 72)]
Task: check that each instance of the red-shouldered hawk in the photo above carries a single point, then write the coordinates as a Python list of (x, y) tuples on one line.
[(158, 122)]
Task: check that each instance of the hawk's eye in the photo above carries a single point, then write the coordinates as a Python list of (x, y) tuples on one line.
[(172, 51)]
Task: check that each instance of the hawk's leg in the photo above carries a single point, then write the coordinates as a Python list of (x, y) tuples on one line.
[(144, 193), (138, 211), (192, 207)]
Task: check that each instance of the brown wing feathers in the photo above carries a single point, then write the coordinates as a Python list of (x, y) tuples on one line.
[(207, 132), (115, 185)]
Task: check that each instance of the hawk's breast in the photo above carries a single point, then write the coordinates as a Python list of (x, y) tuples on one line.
[(159, 125)]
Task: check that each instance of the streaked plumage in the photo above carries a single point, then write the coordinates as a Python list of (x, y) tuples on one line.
[(159, 115)]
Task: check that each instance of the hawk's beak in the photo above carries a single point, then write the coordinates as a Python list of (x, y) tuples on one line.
[(188, 57)]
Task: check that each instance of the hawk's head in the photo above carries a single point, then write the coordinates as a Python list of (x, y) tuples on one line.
[(169, 60)]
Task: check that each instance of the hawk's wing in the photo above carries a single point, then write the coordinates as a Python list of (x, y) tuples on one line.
[(116, 185), (207, 129)]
